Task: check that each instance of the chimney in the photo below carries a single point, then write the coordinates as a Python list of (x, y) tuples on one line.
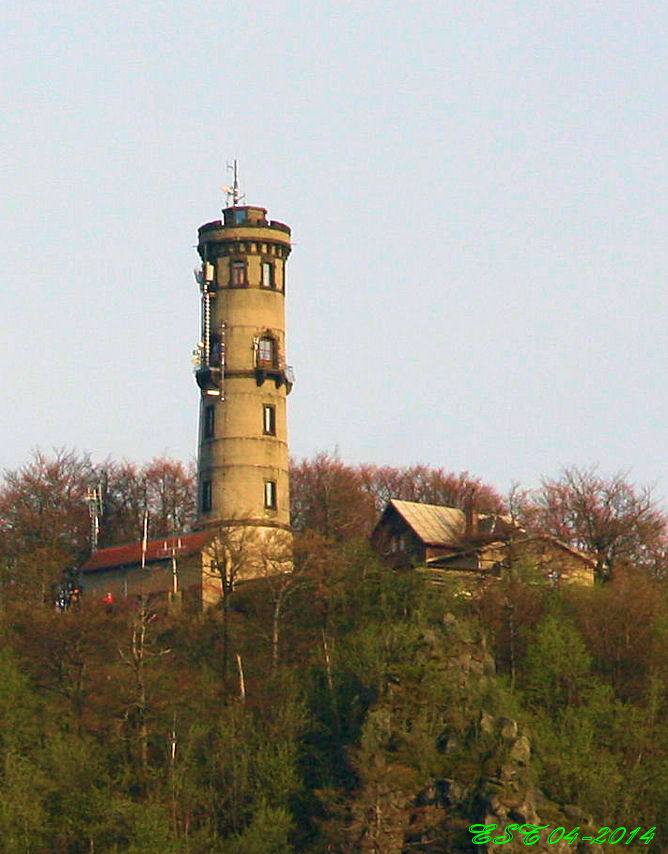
[(470, 516)]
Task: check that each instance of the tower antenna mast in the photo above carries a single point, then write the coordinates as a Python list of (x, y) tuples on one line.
[(95, 510), (233, 194)]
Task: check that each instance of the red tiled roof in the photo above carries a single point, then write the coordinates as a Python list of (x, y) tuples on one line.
[(155, 550)]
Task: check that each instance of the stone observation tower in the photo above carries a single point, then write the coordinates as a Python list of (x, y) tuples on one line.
[(242, 373)]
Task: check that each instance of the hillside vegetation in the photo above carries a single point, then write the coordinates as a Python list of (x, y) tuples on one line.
[(386, 715)]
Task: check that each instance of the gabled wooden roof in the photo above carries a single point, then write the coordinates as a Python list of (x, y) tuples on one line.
[(445, 527), (433, 524)]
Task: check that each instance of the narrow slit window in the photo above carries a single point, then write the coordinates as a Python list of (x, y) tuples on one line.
[(269, 419), (268, 280), (207, 498), (270, 494), (209, 421)]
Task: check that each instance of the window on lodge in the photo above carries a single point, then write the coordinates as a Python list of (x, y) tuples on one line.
[(238, 274), (398, 543), (269, 419), (268, 280), (209, 421), (206, 496), (266, 353), (270, 494)]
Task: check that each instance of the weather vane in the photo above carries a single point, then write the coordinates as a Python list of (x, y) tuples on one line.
[(233, 194)]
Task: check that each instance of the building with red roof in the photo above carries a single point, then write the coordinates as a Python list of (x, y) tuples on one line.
[(182, 564)]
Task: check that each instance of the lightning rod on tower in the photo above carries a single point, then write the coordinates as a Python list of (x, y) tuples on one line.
[(233, 194)]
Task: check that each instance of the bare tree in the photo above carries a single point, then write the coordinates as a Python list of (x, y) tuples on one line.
[(428, 485), (241, 553), (141, 650), (275, 559), (164, 489), (234, 554), (319, 564), (612, 519), (44, 524), (343, 502), (328, 496)]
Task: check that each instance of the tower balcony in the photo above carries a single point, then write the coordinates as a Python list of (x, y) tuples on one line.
[(281, 374), (208, 379)]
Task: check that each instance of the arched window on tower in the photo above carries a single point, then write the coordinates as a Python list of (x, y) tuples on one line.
[(238, 274), (267, 355)]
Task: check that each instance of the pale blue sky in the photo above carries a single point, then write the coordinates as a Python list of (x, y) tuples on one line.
[(479, 200)]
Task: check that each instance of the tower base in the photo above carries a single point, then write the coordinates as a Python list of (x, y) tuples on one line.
[(241, 552)]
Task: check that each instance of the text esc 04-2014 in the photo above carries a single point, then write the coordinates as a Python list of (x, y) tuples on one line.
[(483, 834)]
